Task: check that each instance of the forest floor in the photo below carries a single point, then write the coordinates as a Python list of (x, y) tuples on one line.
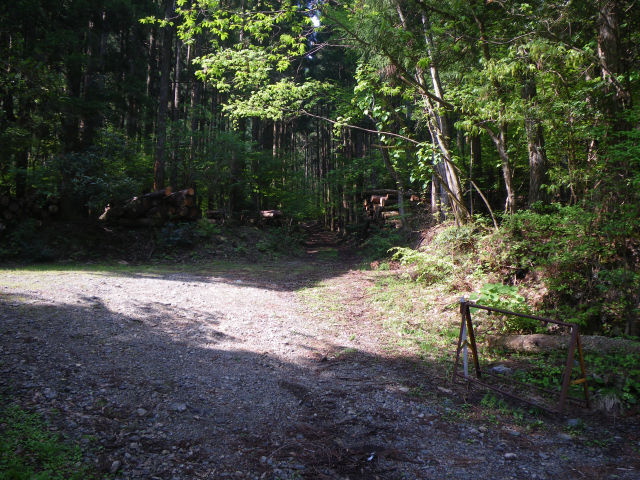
[(264, 370)]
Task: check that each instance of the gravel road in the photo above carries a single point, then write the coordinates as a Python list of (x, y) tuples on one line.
[(224, 372)]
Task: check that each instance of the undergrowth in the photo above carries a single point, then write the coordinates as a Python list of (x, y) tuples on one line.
[(552, 261), (29, 451)]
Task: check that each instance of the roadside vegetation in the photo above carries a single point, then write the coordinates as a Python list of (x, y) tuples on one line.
[(31, 450), (554, 263)]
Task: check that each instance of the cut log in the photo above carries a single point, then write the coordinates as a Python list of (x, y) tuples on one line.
[(154, 208), (546, 343), (270, 213), (182, 198), (158, 194)]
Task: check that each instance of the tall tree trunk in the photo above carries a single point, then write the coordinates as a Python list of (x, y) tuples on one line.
[(535, 144), (440, 128), (175, 115), (163, 101), (499, 139), (609, 54)]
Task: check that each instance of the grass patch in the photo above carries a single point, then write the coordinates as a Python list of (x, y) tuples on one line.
[(411, 312), (28, 450)]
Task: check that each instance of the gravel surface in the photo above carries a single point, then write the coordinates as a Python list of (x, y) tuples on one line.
[(227, 373)]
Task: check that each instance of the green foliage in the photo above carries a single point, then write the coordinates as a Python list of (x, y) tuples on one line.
[(588, 284), (613, 378), (280, 241), (429, 268), (505, 297), (449, 256), (25, 241), (29, 451), (206, 229), (615, 375), (379, 244), (181, 235), (108, 171)]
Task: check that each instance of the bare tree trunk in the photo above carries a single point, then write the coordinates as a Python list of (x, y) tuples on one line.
[(175, 115), (163, 101), (499, 139), (439, 123), (609, 54), (440, 128), (535, 144)]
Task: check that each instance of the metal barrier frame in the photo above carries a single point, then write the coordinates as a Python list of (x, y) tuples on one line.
[(575, 343)]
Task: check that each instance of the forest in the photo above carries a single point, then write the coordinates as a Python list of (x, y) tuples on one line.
[(515, 124)]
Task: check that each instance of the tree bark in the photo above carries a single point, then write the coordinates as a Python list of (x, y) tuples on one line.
[(163, 100), (609, 54), (535, 145)]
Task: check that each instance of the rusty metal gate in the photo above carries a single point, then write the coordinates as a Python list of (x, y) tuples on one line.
[(467, 340)]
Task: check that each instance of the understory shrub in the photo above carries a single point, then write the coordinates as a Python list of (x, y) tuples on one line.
[(280, 240), (505, 297), (448, 258), (427, 266), (380, 242), (589, 275)]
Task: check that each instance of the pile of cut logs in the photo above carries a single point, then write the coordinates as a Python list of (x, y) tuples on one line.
[(375, 205), (32, 206), (154, 209)]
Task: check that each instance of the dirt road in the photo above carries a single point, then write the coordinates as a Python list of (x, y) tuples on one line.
[(224, 372)]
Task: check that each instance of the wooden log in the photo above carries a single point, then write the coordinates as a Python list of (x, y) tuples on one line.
[(134, 208), (158, 194), (181, 198), (544, 343), (270, 213), (156, 212)]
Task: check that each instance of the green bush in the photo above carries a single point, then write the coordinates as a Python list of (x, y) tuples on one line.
[(590, 280), (178, 235), (104, 173), (25, 240), (506, 297), (428, 267), (280, 240), (380, 242)]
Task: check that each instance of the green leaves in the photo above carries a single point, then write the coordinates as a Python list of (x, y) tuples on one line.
[(277, 101)]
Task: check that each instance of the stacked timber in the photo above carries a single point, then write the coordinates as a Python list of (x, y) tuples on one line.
[(376, 205), (39, 207), (154, 209), (271, 217)]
